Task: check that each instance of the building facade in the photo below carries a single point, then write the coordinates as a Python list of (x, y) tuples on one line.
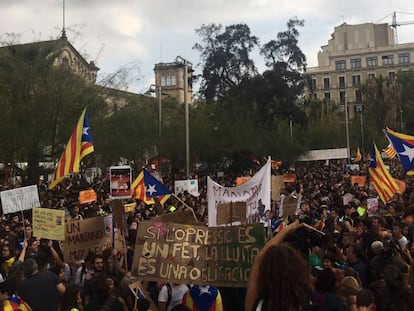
[(353, 55), (170, 79)]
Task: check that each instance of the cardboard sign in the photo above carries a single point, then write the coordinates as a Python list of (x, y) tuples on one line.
[(87, 196), (90, 234), (48, 223), (360, 180), (219, 256), (289, 206), (180, 217), (228, 213), (19, 199), (277, 185), (120, 182)]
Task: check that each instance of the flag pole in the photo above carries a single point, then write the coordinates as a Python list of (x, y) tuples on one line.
[(187, 206)]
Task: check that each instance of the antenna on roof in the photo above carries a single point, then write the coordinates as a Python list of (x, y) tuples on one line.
[(63, 28)]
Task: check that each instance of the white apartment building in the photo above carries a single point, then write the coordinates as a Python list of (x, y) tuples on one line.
[(354, 54)]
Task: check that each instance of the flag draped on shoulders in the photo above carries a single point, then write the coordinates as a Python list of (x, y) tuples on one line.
[(383, 182), (404, 147), (79, 145), (141, 184)]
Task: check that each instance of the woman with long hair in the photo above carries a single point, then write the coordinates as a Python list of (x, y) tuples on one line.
[(279, 279), (71, 300)]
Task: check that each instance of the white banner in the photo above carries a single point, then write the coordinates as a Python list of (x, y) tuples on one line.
[(19, 199), (255, 189), (189, 185)]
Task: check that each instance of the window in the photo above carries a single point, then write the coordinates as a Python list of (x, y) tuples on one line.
[(342, 97), (313, 85), (327, 95), (356, 80), (341, 81), (388, 60), (358, 98), (371, 61), (168, 80), (371, 76), (340, 65), (326, 83), (404, 58), (355, 63)]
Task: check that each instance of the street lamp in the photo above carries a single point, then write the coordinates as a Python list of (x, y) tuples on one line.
[(158, 94), (186, 63), (347, 130)]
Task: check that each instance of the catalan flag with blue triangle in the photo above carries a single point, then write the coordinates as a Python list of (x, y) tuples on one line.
[(404, 147)]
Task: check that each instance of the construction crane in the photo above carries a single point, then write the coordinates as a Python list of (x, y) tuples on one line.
[(395, 24)]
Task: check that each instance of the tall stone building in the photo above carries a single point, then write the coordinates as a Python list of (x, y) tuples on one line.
[(170, 80), (354, 54)]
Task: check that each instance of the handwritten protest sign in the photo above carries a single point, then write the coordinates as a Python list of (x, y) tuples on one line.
[(90, 234), (228, 213), (179, 217), (218, 256), (19, 199), (49, 223), (289, 178)]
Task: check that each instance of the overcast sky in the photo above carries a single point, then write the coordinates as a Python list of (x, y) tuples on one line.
[(141, 33)]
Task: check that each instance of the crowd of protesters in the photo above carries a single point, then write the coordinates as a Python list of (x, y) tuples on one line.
[(355, 260)]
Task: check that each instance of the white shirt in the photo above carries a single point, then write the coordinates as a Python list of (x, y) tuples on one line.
[(177, 293)]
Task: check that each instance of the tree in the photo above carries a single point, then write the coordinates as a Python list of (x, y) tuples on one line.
[(225, 57), (41, 103)]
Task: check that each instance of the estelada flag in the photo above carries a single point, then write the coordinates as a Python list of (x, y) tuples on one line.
[(138, 191), (383, 182), (358, 156), (404, 146), (87, 196), (79, 145)]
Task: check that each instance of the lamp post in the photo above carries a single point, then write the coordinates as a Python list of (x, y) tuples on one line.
[(401, 119), (291, 129), (158, 94), (347, 130), (181, 60)]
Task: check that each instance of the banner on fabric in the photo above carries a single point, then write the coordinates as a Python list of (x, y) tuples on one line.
[(19, 199), (90, 234), (48, 223), (179, 253), (255, 189)]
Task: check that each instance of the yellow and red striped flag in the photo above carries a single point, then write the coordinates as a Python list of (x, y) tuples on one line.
[(383, 182), (390, 151), (138, 191), (79, 145)]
